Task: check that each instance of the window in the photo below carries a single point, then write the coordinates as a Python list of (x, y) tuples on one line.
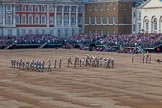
[(66, 32), (139, 25), (36, 31), (36, 19), (24, 8), (59, 32), (51, 8), (43, 8), (108, 32), (113, 20), (9, 32), (147, 26), (155, 24), (73, 20), (51, 20), (30, 31), (108, 7), (16, 8), (51, 32), (66, 20), (23, 31), (73, 9), (134, 14), (58, 19), (113, 7), (134, 27), (8, 7), (80, 31), (18, 32), (80, 20), (124, 18), (37, 8), (107, 20), (125, 7), (95, 20), (73, 32), (101, 6), (139, 15), (30, 8), (59, 8), (43, 19), (66, 9), (89, 20), (23, 19), (95, 7), (80, 9), (30, 19), (8, 19), (43, 31), (89, 8), (101, 20), (17, 19)]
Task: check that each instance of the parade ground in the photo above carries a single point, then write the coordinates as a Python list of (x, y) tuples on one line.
[(127, 85)]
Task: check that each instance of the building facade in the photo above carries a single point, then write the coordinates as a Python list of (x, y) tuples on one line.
[(61, 18), (109, 16), (149, 17)]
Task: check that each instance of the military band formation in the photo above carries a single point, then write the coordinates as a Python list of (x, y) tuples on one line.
[(41, 65)]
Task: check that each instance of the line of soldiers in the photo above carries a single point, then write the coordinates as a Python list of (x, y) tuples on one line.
[(91, 60), (146, 58), (35, 64)]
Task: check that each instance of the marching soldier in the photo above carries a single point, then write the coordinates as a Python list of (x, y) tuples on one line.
[(49, 66), (132, 58), (60, 62), (55, 62), (112, 62), (143, 58), (69, 61), (150, 59)]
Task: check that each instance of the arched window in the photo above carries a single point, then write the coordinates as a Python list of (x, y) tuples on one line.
[(66, 19), (17, 19), (160, 25), (58, 19), (43, 19), (145, 25), (73, 19), (30, 19), (155, 24), (36, 20), (23, 19)]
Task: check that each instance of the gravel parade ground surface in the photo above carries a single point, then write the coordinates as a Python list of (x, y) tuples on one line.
[(127, 85)]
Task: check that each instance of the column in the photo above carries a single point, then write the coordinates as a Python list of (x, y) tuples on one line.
[(69, 15), (47, 16), (62, 21), (55, 17), (76, 16)]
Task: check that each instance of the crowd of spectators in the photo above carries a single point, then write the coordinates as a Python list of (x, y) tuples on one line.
[(143, 40), (29, 39)]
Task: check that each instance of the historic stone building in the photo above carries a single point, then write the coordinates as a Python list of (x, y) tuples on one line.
[(59, 17), (148, 17), (109, 16)]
